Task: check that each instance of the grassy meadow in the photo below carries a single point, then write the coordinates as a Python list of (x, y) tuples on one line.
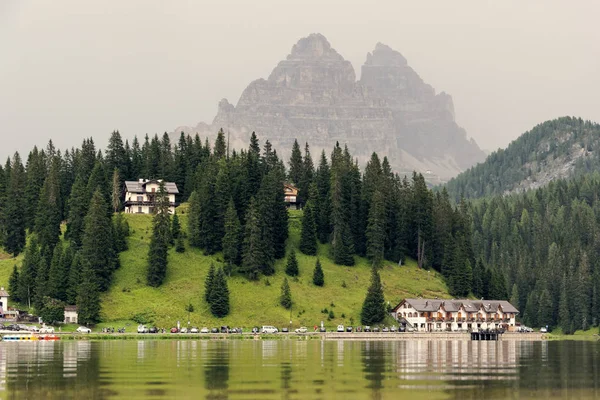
[(252, 302)]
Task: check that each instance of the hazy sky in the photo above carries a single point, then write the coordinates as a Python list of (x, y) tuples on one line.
[(70, 69)]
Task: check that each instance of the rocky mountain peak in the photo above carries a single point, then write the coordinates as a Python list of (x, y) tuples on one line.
[(383, 55), (313, 47), (313, 96)]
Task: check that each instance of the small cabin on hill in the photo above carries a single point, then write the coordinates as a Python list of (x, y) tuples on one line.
[(140, 195), (291, 196), (71, 315), (3, 302)]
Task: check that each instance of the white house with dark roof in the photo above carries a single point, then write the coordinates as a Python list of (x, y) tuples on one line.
[(3, 302), (431, 315), (71, 315), (140, 195)]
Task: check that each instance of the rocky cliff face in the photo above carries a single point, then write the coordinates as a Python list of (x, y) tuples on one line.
[(313, 96)]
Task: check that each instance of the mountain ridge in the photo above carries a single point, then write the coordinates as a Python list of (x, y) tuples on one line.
[(556, 149), (313, 96)]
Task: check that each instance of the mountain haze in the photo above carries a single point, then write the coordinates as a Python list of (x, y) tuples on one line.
[(313, 96), (557, 149)]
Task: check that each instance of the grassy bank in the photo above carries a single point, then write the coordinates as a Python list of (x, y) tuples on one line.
[(590, 334), (252, 303)]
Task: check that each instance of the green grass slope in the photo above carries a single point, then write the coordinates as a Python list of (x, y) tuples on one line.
[(252, 303)]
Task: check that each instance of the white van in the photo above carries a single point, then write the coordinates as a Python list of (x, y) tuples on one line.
[(269, 329), (340, 328)]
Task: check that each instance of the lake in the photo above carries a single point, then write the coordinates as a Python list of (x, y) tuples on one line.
[(299, 369)]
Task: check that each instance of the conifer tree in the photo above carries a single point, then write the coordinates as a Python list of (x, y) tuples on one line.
[(88, 297), (209, 283), (116, 156), (180, 245), (48, 217), (219, 302), (120, 232), (373, 309), (322, 180), (53, 310), (308, 234), (220, 149), (36, 174), (74, 279), (14, 213), (97, 249), (376, 229), (194, 220), (41, 282), (291, 267), (28, 274), (116, 191), (286, 295), (563, 307), (161, 237), (253, 255), (58, 275), (175, 227), (78, 204), (318, 276), (13, 285), (231, 240), (545, 312), (296, 164)]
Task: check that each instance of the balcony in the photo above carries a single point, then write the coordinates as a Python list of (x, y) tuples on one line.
[(146, 203)]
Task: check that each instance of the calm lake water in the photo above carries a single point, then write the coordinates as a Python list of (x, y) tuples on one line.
[(290, 369)]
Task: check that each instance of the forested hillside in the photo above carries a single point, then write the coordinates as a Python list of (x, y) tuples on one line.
[(547, 245), (236, 208), (561, 148)]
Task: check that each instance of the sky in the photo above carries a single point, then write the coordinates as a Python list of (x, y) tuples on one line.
[(71, 69)]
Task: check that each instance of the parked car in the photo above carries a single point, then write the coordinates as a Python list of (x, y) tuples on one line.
[(322, 329), (47, 329), (410, 329), (194, 330), (367, 328), (376, 329), (214, 330), (256, 329), (544, 330), (340, 328), (285, 330), (83, 329), (174, 330), (393, 328), (204, 330), (13, 327), (302, 329), (183, 330), (349, 329), (33, 328), (23, 327), (224, 329), (142, 329), (153, 330), (269, 329), (385, 329)]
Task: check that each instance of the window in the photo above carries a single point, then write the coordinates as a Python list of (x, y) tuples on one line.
[(140, 210), (140, 198)]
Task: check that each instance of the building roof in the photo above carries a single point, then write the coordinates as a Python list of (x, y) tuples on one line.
[(70, 308), (139, 186), (4, 293), (433, 305)]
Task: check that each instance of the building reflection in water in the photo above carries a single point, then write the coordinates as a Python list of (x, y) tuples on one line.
[(429, 360)]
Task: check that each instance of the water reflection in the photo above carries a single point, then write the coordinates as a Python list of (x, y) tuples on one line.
[(233, 369)]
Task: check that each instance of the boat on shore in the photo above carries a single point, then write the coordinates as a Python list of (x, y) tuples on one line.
[(27, 337)]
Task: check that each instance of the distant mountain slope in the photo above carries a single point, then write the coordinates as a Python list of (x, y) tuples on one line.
[(560, 148), (313, 96)]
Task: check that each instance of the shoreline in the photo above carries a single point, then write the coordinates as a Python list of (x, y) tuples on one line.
[(349, 336)]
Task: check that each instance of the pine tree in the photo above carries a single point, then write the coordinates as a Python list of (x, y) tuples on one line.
[(88, 298), (120, 232), (58, 275), (116, 156), (209, 283), (253, 255), (41, 283), (219, 295), (308, 235), (53, 310), (116, 191), (78, 205), (14, 213), (28, 274), (323, 183), (13, 285), (74, 280), (220, 149), (180, 245), (563, 307), (286, 295), (194, 220), (291, 267), (296, 164), (161, 237), (318, 276), (48, 217), (231, 240), (175, 227), (36, 174), (373, 309), (97, 249), (376, 229)]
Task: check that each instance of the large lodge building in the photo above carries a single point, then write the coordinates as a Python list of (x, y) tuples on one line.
[(431, 315)]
